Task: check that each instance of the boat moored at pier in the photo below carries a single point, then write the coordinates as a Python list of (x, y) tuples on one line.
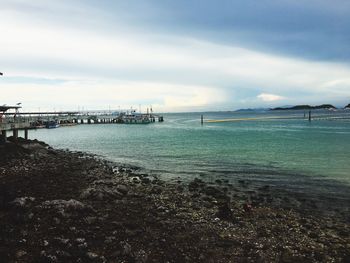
[(133, 117), (52, 124)]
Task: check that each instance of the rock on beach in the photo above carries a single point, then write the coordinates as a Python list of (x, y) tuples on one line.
[(73, 207)]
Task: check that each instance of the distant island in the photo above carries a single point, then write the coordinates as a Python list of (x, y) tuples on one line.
[(308, 107), (297, 107)]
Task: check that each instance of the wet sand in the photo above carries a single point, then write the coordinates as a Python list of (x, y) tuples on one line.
[(62, 206)]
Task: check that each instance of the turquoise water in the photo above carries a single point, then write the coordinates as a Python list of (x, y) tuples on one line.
[(267, 149)]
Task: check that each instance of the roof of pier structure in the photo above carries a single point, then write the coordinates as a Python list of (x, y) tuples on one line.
[(6, 108)]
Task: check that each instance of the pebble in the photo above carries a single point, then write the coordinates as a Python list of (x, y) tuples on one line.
[(20, 253), (146, 180), (22, 201), (126, 248), (91, 255), (141, 256), (122, 189)]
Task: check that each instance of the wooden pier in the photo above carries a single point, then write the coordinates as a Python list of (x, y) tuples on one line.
[(73, 118), (15, 121)]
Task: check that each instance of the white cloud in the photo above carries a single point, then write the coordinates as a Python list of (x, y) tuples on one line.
[(126, 67), (102, 95), (269, 97)]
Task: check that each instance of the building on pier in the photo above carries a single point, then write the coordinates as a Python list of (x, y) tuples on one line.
[(10, 120)]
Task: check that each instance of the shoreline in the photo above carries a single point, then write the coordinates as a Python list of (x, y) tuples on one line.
[(59, 206)]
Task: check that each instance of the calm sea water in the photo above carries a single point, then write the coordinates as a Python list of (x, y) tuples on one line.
[(272, 150)]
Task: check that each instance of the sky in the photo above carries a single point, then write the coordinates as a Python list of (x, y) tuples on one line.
[(183, 55)]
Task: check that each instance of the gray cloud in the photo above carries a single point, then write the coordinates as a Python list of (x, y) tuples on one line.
[(223, 53), (311, 29)]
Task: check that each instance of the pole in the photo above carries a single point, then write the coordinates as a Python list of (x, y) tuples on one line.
[(3, 137), (15, 134), (201, 119), (310, 115)]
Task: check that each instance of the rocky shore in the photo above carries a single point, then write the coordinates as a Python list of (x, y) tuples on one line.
[(61, 206)]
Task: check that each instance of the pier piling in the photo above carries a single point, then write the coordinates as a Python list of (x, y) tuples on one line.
[(3, 137), (15, 134), (310, 115)]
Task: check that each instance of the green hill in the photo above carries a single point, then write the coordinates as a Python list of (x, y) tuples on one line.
[(307, 107)]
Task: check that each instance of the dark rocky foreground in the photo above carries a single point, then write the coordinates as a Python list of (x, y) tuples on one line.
[(60, 206)]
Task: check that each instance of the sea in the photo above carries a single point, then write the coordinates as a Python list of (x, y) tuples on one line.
[(278, 148)]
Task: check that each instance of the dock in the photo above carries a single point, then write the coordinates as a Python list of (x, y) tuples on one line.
[(11, 120), (14, 123)]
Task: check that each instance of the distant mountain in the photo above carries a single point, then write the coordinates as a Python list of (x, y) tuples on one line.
[(347, 106), (307, 107)]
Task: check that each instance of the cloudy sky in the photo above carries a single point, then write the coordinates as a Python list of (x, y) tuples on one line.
[(183, 55)]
